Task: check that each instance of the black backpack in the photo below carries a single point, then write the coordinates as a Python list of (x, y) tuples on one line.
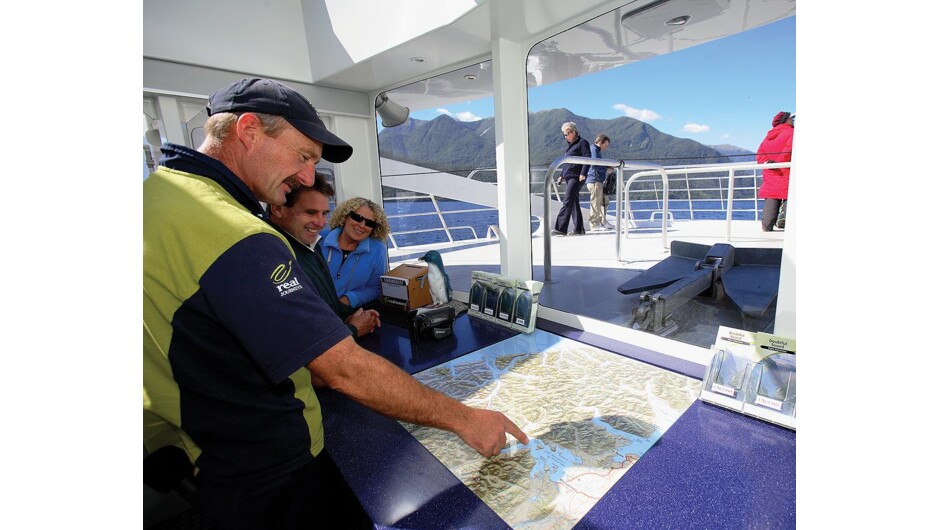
[(610, 185)]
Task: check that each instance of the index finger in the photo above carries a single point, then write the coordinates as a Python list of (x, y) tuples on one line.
[(514, 430)]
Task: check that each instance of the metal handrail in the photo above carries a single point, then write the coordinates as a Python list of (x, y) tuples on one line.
[(710, 168), (531, 180), (622, 202), (440, 215), (479, 169), (461, 227), (688, 189), (549, 178), (720, 191)]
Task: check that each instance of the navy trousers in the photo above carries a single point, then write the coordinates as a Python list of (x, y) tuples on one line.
[(570, 207)]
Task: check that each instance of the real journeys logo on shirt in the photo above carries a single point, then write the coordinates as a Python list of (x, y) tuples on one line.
[(280, 279)]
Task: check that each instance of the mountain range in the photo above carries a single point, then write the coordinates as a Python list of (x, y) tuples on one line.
[(737, 154), (446, 144)]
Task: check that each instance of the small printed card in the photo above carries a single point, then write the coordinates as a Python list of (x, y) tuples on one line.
[(753, 373)]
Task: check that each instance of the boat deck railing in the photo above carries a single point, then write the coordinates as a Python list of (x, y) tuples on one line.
[(624, 216), (697, 192), (445, 228), (624, 189), (707, 191)]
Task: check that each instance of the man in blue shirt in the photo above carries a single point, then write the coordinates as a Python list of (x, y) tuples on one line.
[(596, 178)]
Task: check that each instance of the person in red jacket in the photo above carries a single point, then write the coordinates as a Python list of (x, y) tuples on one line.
[(776, 147)]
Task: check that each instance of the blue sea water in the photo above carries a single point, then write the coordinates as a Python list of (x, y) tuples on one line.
[(459, 220), (455, 214)]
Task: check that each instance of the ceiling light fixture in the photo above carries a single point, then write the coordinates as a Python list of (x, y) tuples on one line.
[(678, 21), (664, 17), (470, 77), (418, 60)]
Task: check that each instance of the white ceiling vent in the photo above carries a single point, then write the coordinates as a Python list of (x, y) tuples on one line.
[(661, 18)]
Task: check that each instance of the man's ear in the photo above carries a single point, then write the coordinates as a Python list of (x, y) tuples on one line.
[(276, 211), (248, 129)]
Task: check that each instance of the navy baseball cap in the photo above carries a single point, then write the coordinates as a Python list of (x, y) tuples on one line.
[(271, 97)]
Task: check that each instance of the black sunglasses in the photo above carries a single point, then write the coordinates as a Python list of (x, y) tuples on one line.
[(360, 219)]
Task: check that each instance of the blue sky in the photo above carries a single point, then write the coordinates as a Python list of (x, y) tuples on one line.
[(722, 92)]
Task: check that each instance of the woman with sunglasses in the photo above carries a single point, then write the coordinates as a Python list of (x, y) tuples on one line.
[(355, 250)]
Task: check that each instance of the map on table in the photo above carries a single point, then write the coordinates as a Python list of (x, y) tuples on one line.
[(590, 415)]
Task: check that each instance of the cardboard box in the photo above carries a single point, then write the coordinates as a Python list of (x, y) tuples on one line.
[(406, 286)]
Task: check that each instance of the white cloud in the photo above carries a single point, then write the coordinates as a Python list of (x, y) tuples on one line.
[(460, 116), (646, 115), (695, 128), (725, 136), (468, 116)]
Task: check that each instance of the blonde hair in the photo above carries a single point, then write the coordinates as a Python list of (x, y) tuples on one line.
[(338, 218)]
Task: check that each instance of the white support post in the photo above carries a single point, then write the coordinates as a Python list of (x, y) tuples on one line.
[(785, 321), (358, 176), (512, 158)]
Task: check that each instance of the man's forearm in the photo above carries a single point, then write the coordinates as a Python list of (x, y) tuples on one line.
[(376, 383), (383, 387)]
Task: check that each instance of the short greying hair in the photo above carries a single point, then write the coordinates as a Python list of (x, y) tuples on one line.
[(569, 126), (219, 126)]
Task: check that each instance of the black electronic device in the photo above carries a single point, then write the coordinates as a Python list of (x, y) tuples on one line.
[(431, 322)]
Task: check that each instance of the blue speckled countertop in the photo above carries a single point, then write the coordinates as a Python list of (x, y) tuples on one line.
[(712, 469)]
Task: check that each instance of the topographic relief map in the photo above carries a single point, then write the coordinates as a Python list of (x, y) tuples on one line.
[(589, 414)]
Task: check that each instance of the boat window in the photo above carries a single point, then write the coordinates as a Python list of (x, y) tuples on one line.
[(438, 169), (693, 100)]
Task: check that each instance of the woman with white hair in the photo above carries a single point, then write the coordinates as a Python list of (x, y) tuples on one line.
[(574, 176)]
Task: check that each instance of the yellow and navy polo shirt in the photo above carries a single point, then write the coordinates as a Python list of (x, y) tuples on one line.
[(230, 323)]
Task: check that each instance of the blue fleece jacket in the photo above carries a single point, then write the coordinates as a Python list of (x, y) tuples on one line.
[(358, 278)]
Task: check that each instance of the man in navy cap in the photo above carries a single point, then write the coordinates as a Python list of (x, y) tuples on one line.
[(234, 332)]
